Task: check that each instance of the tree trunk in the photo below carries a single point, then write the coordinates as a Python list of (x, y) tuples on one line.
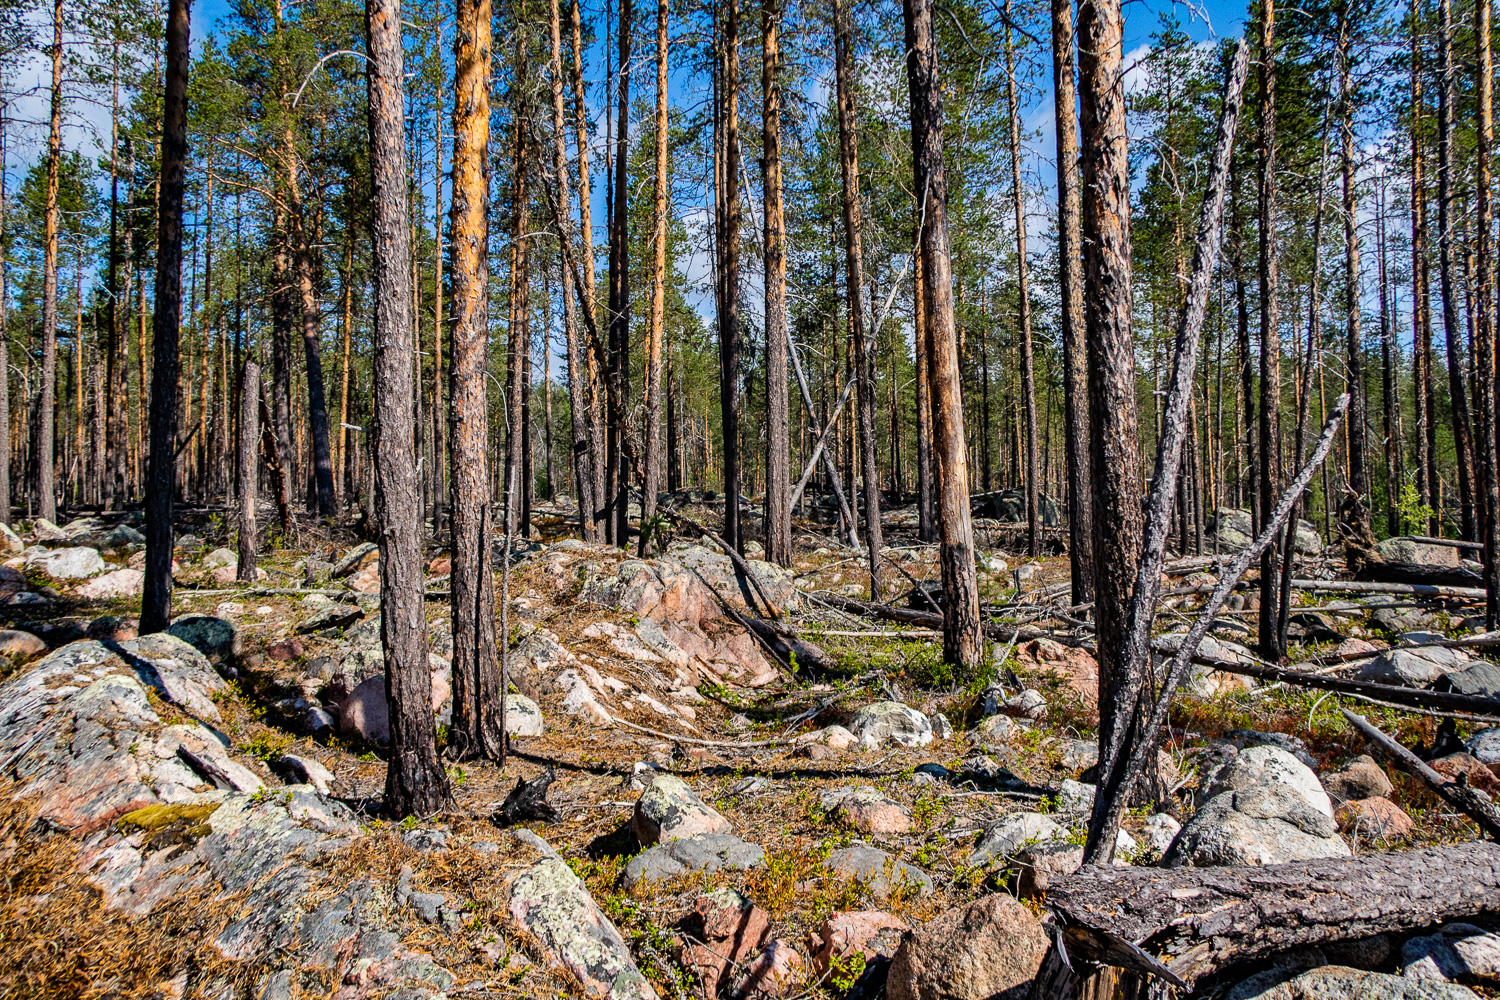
[(439, 437), (583, 135), (6, 470), (1028, 379), (1271, 646), (578, 409), (727, 186), (961, 644), (659, 208), (281, 340), (116, 359), (156, 602), (1423, 397), (1070, 290), (474, 731), (1389, 400), (921, 336), (249, 439), (1484, 317), (854, 288), (1462, 441), (317, 407), (42, 451), (343, 464), (778, 411), (415, 782), (1192, 923), (617, 471), (518, 336)]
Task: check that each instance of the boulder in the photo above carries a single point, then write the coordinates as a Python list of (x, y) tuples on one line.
[(669, 810), (865, 810), (1361, 778), (367, 580), (522, 716), (1075, 796), (706, 852), (552, 908), (122, 535), (221, 557), (973, 952), (1160, 830), (111, 628), (1266, 765), (1406, 550), (1334, 982), (10, 542), (119, 583), (76, 563), (1263, 824), (1478, 677), (1485, 745), (1234, 530), (870, 933), (720, 932), (1413, 667), (356, 559), (777, 971), (879, 871), (1373, 818), (1011, 833), (890, 722), (366, 713), (1043, 865), (578, 698), (304, 771), (215, 638), (18, 646), (1474, 773), (1459, 951), (44, 530), (331, 617)]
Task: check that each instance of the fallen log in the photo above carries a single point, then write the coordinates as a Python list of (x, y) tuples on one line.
[(927, 619), (1362, 587), (1470, 801), (1418, 573), (1450, 542), (1186, 924)]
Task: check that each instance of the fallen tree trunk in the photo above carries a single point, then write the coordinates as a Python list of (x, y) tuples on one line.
[(1360, 587), (1470, 801), (1419, 573), (926, 619), (1186, 924)]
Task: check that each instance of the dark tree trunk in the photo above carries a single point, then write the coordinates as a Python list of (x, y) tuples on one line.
[(415, 782), (317, 406), (618, 471), (921, 349), (1452, 326), (281, 343), (1484, 326), (1028, 378), (156, 602), (249, 493), (475, 730), (1070, 289), (961, 643), (778, 411), (42, 451), (1271, 646), (727, 187), (854, 288)]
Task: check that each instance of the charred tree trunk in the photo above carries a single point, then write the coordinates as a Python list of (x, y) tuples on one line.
[(415, 782), (618, 470), (1028, 378), (854, 288), (156, 602), (727, 187), (778, 410), (1484, 317), (1271, 646), (42, 451), (1070, 288), (961, 644), (583, 472), (1452, 326), (475, 730)]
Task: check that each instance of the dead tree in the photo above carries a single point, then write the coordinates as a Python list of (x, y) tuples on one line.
[(659, 202), (166, 321), (617, 469), (415, 782), (1463, 443), (1270, 338), (956, 550), (727, 222), (1484, 317), (778, 411), (1131, 680), (474, 731), (1028, 379)]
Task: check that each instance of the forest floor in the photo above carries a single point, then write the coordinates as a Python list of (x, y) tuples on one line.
[(736, 746)]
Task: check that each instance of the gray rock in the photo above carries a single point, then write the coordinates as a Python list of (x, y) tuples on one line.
[(1479, 677), (351, 559), (215, 638), (429, 905), (1235, 532), (890, 722), (76, 563), (706, 852), (1260, 825), (1334, 982), (122, 535), (877, 869), (1405, 550), (1361, 778), (1413, 667), (10, 542), (1075, 796), (1267, 765), (1011, 833), (1244, 739), (1043, 865), (336, 616), (304, 771), (1400, 620), (750, 786), (669, 810), (522, 716), (221, 557), (427, 840), (1160, 830), (942, 729), (1485, 745), (554, 911), (1459, 951), (1313, 627), (44, 530)]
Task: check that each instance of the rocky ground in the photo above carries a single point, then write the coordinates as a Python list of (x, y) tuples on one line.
[(198, 813)]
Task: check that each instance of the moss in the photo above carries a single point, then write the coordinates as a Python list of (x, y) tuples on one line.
[(154, 819)]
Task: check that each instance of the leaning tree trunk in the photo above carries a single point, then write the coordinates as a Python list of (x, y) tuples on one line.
[(854, 288), (961, 644), (1028, 379), (583, 473), (156, 602), (659, 202), (415, 783), (1070, 290), (778, 410), (475, 730)]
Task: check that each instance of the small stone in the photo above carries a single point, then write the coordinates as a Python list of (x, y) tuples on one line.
[(1010, 834), (942, 729), (1160, 830), (112, 629), (871, 933), (1075, 796), (1043, 864), (356, 559), (890, 722), (1458, 951), (1333, 982), (1373, 818), (721, 931), (119, 583), (706, 852), (865, 810), (522, 716), (334, 616), (997, 727), (304, 771), (1485, 745), (1029, 703), (880, 871), (1361, 778), (20, 646)]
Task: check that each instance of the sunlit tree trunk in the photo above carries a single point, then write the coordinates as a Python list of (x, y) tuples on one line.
[(1028, 379), (1452, 325), (1271, 646), (659, 207), (42, 451), (778, 414)]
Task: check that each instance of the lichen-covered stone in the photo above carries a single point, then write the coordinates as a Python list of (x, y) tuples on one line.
[(890, 722), (706, 852), (669, 810)]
